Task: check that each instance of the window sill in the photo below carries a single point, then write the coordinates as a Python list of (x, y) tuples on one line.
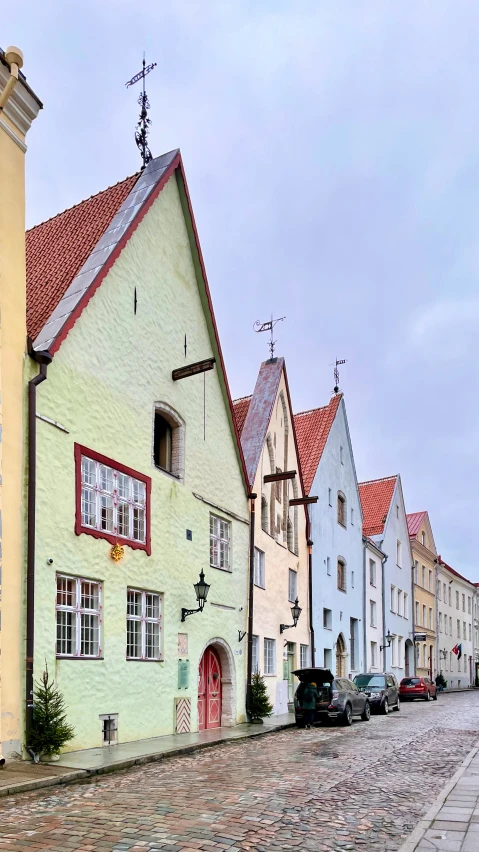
[(257, 585), (72, 657), (328, 628), (342, 525), (344, 591), (143, 660), (168, 473), (269, 675), (224, 570)]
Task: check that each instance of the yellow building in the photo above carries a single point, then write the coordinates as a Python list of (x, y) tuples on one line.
[(424, 573), (18, 108)]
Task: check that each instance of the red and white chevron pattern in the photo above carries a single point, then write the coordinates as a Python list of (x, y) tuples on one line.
[(183, 715)]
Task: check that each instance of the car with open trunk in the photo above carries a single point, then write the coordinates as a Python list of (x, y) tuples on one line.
[(338, 697)]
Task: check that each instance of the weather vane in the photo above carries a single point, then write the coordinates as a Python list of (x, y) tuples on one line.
[(143, 126), (336, 373), (268, 326)]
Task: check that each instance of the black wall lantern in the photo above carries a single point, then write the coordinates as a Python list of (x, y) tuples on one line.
[(201, 590), (295, 612), (389, 638)]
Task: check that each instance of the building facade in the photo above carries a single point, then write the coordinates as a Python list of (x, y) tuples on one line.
[(268, 439), (141, 484), (19, 106), (373, 613), (386, 524), (336, 531), (424, 574), (456, 634)]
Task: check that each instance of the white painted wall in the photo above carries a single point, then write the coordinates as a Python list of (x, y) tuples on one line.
[(332, 540), (457, 672), (373, 592)]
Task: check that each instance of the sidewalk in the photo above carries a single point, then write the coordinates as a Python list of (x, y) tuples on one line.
[(452, 824), (20, 776)]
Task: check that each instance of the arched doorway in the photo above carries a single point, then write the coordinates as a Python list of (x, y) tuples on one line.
[(209, 690), (340, 656)]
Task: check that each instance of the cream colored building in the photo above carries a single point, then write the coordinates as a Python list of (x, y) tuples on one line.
[(19, 106), (266, 424), (424, 575)]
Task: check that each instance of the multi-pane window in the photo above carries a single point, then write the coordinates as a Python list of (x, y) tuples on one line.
[(430, 581), (468, 605), (374, 654), (439, 591), (259, 568), (112, 502), (457, 599), (445, 624), (269, 656), (400, 650), (303, 656), (393, 598), (399, 602), (464, 636), (463, 603), (470, 632), (417, 613), (143, 625), (341, 575), (450, 596), (255, 654), (219, 543), (292, 585), (450, 625), (444, 590), (458, 628), (424, 616), (327, 619), (416, 572), (372, 614), (423, 576), (440, 622), (393, 652), (372, 572), (430, 618), (78, 609)]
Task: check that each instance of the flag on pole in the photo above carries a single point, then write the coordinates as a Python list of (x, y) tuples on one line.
[(455, 650), (459, 652)]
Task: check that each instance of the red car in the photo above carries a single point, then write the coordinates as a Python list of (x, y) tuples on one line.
[(417, 687)]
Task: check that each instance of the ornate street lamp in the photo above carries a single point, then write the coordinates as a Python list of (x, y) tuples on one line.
[(443, 654), (201, 590), (295, 613), (389, 638)]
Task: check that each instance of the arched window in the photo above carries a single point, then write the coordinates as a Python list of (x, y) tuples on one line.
[(264, 513), (341, 509), (341, 574), (168, 440)]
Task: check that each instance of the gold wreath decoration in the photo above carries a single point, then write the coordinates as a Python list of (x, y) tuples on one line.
[(117, 552)]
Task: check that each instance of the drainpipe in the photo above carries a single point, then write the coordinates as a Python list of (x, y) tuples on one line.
[(252, 498), (14, 58), (383, 598), (310, 589), (413, 617), (365, 641), (42, 358)]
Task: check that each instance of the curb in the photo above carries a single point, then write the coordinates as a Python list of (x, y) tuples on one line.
[(155, 757), (425, 823)]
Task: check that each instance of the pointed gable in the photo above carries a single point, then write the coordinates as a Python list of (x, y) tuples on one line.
[(241, 407), (312, 431), (414, 523), (260, 408), (376, 496)]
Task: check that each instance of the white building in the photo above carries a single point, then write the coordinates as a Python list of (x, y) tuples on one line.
[(385, 523), (455, 598), (336, 530), (373, 632)]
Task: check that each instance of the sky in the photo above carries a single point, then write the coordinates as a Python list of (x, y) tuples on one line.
[(332, 155)]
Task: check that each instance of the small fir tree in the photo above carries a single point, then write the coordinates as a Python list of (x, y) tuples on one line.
[(441, 680), (260, 705), (50, 730)]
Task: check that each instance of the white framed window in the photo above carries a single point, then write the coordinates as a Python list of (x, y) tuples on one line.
[(352, 579), (440, 622), (424, 656), (450, 596), (464, 636), (423, 576), (444, 590), (417, 614), (406, 605), (458, 628), (374, 654), (450, 625), (445, 624), (468, 605), (399, 554), (430, 581), (143, 625), (372, 572), (219, 543), (372, 613), (424, 611), (430, 618), (470, 632), (423, 538), (327, 619), (303, 656), (393, 598), (416, 572), (78, 616), (255, 654), (393, 652), (439, 591), (330, 497), (400, 610), (400, 651), (292, 585), (463, 603), (270, 656), (113, 503), (259, 579), (328, 566), (457, 599)]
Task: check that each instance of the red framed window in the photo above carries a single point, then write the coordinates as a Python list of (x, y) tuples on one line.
[(112, 501)]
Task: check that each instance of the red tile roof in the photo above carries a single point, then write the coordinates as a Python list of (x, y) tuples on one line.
[(58, 248), (241, 407), (453, 571), (414, 521), (312, 430), (376, 497)]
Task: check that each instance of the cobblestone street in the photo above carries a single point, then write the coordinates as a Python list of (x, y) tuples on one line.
[(326, 789)]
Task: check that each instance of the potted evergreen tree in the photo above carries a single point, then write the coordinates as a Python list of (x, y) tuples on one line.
[(50, 730), (441, 682), (260, 705)]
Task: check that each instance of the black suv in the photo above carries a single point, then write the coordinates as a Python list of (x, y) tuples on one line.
[(382, 690), (339, 698)]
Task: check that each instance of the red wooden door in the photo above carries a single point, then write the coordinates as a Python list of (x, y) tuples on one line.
[(209, 691)]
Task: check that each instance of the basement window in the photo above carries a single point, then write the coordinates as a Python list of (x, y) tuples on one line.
[(109, 729)]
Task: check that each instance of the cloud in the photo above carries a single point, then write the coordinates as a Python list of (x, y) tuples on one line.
[(445, 329)]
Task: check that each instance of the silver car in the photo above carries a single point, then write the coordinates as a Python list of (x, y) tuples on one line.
[(338, 697)]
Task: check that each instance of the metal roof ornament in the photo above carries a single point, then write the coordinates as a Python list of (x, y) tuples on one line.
[(336, 373), (268, 326), (143, 125)]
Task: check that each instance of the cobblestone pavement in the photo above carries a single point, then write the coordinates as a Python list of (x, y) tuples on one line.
[(330, 788)]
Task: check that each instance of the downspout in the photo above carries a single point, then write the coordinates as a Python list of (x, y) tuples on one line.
[(14, 58), (365, 642), (249, 675), (413, 624), (383, 598), (42, 358), (310, 589)]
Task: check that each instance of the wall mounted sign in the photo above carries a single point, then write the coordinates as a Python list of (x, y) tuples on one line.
[(183, 674)]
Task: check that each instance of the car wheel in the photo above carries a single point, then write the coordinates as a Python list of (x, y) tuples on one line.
[(434, 697), (385, 707), (366, 714), (348, 716), (428, 697), (398, 705)]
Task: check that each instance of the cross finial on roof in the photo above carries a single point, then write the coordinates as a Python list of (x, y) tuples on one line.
[(143, 125), (336, 373), (268, 326)]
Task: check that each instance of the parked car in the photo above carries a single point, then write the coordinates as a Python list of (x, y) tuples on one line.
[(339, 698), (382, 690), (417, 687)]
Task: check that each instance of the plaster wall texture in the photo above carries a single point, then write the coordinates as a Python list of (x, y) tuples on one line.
[(373, 592), (102, 386), (425, 596), (400, 577), (271, 604), (12, 353), (456, 672), (332, 541)]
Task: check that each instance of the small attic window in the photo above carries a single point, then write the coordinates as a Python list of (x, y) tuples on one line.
[(168, 441), (163, 441), (423, 538)]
